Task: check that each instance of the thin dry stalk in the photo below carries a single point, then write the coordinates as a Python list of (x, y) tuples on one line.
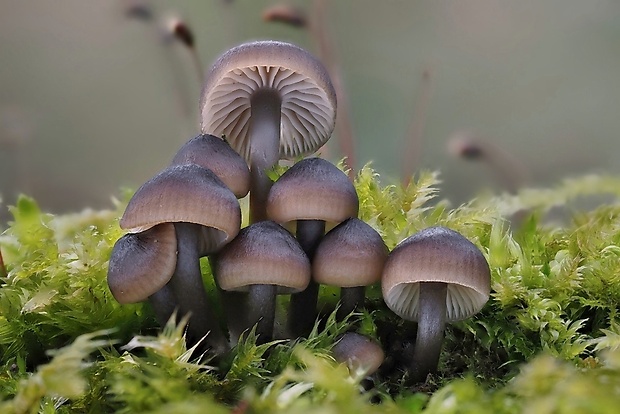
[(328, 54), (415, 134), (3, 272)]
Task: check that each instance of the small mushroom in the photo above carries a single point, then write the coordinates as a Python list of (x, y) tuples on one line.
[(206, 215), (433, 277), (141, 265), (215, 154), (359, 353), (271, 100), (350, 256), (309, 194), (264, 259)]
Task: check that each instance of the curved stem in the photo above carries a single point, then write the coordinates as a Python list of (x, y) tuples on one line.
[(264, 148), (262, 310), (302, 308), (164, 304), (3, 271), (431, 325), (351, 298), (188, 289)]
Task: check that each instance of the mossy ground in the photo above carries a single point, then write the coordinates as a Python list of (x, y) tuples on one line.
[(548, 340)]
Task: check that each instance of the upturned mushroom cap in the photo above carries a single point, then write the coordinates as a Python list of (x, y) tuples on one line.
[(142, 263), (351, 254), (312, 189), (436, 254), (215, 154), (185, 193), (359, 352), (263, 253), (301, 81)]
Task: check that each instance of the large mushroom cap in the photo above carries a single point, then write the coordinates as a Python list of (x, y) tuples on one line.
[(142, 263), (301, 81), (215, 154), (436, 254), (185, 193), (351, 254), (263, 253), (312, 189)]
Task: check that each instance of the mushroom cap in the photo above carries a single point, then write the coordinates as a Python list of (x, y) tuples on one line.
[(263, 253), (351, 254), (215, 154), (142, 263), (312, 189), (185, 193), (359, 352), (301, 81), (436, 254)]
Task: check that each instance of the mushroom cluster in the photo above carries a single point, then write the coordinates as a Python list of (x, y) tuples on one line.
[(262, 102)]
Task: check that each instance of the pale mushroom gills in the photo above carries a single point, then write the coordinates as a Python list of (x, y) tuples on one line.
[(270, 100), (433, 277)]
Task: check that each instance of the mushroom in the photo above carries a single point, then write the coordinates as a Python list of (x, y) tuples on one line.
[(309, 194), (359, 353), (433, 277), (264, 259), (213, 153), (350, 256), (206, 215), (208, 151), (270, 100), (141, 264)]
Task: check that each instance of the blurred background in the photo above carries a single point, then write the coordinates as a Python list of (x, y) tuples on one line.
[(95, 96)]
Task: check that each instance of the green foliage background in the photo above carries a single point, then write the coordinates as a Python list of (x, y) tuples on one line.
[(547, 341)]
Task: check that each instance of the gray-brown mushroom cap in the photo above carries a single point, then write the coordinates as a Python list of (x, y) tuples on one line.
[(312, 189), (359, 352), (142, 263), (215, 154), (263, 253), (351, 254), (436, 254), (308, 99), (185, 193)]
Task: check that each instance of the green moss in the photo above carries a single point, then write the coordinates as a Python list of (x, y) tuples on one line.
[(547, 341)]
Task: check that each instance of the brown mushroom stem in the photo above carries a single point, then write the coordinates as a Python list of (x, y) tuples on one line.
[(302, 308), (262, 310), (351, 298), (188, 289), (163, 303), (431, 325), (265, 148)]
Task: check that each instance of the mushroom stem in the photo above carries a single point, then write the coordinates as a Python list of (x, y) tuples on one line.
[(262, 310), (351, 298), (188, 289), (302, 308), (265, 148), (163, 303), (431, 325)]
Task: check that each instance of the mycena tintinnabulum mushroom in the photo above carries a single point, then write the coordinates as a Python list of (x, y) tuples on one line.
[(359, 353), (263, 260), (141, 265), (310, 194), (270, 100), (433, 277), (206, 215), (211, 152), (350, 256)]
